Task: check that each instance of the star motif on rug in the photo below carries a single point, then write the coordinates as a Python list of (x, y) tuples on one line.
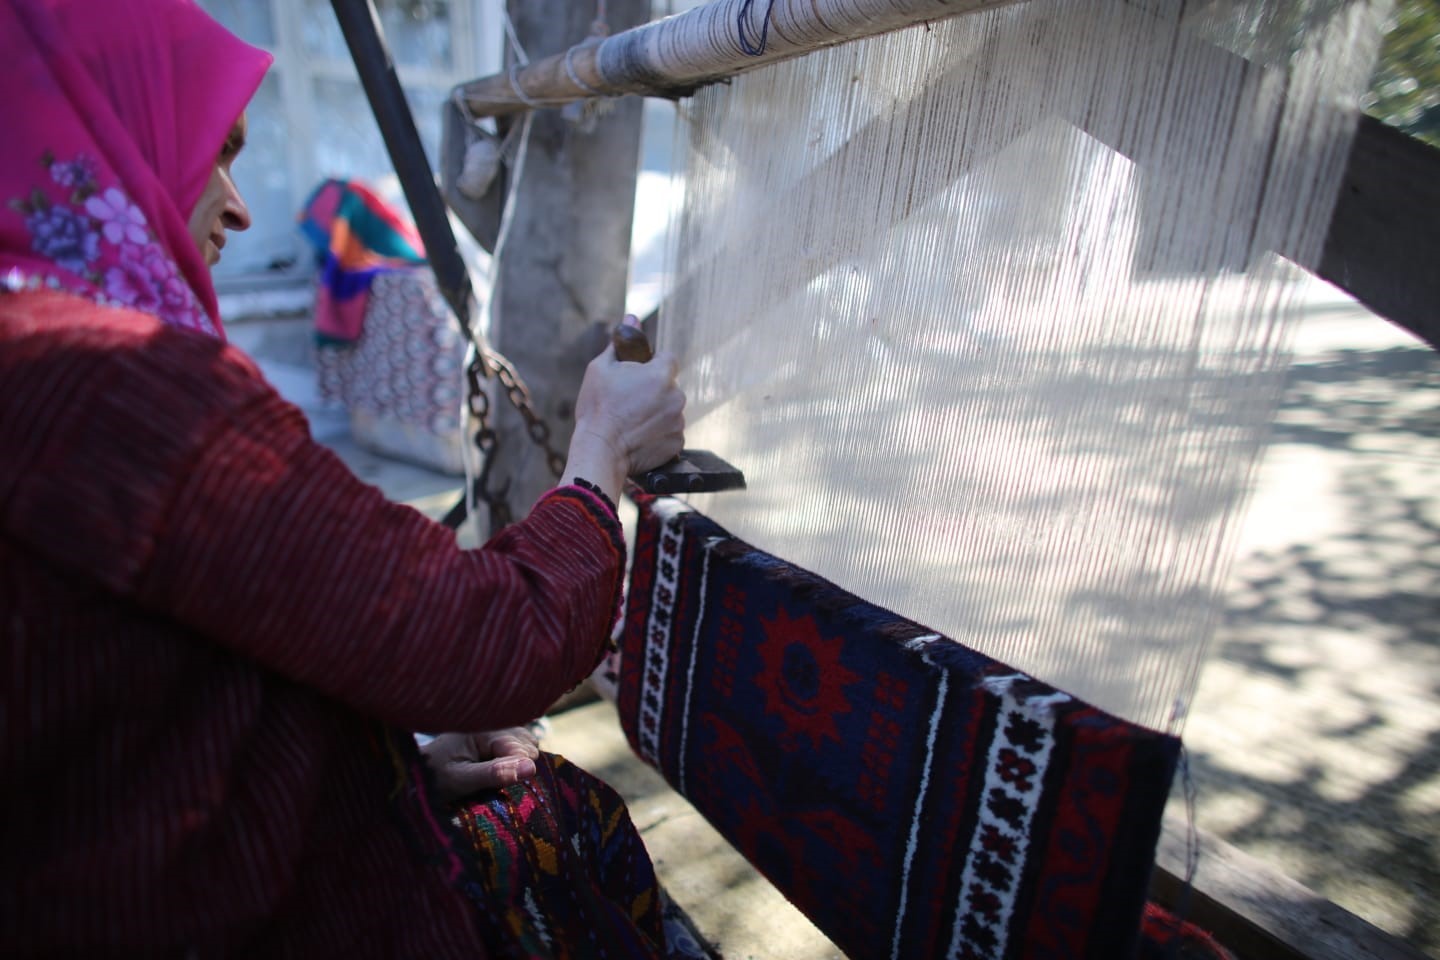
[(803, 680)]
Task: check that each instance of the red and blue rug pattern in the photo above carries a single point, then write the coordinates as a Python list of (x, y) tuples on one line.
[(911, 796)]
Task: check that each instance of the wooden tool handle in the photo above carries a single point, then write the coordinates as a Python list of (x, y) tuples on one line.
[(631, 343)]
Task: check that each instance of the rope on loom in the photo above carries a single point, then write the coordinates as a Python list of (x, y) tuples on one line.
[(570, 68), (521, 59), (1192, 829), (520, 94), (514, 39), (742, 22), (599, 30)]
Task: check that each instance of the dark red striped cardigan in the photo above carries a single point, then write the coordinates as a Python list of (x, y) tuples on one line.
[(206, 619)]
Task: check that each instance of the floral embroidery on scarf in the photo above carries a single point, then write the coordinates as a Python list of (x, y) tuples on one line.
[(105, 239)]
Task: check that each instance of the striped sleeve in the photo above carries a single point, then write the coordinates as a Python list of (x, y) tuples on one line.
[(191, 486)]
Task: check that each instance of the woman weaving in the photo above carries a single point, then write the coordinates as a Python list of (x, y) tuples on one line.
[(215, 636)]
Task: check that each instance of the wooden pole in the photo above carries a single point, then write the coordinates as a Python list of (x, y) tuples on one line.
[(363, 35), (563, 271), (1383, 246), (674, 56)]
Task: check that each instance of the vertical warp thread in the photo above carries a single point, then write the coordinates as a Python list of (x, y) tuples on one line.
[(1006, 348)]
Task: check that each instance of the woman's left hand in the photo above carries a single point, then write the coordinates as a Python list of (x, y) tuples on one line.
[(466, 763)]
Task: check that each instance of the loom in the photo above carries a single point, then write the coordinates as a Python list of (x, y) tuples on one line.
[(992, 299)]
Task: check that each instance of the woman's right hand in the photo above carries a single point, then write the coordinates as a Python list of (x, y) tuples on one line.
[(629, 417)]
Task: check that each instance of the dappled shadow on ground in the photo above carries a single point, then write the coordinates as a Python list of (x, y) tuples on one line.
[(1008, 493), (1315, 738)]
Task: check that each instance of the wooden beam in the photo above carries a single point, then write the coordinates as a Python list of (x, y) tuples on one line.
[(1383, 246), (674, 56), (1257, 912)]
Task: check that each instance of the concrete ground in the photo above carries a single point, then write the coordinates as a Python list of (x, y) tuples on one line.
[(1315, 736)]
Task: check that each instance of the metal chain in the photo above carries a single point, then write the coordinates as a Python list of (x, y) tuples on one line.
[(486, 441), (535, 424), (486, 364)]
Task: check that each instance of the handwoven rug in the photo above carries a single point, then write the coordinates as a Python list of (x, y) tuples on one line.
[(912, 797)]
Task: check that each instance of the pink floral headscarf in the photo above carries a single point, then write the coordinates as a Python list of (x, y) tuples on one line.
[(113, 114)]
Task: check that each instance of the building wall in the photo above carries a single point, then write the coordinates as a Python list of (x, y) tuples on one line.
[(310, 119)]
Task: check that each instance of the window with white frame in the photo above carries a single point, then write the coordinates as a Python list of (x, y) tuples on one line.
[(310, 119)]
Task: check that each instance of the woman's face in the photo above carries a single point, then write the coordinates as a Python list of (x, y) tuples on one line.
[(220, 207)]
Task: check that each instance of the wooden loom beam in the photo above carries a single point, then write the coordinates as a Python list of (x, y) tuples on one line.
[(1380, 247), (675, 56), (1383, 245)]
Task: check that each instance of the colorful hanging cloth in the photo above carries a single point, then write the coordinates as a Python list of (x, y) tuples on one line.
[(356, 236), (911, 796)]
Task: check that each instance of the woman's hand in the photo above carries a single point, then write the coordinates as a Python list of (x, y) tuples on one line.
[(629, 417), (466, 763)]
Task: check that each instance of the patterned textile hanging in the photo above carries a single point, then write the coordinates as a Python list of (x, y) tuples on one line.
[(912, 797)]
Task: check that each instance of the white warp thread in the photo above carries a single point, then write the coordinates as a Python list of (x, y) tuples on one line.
[(993, 312)]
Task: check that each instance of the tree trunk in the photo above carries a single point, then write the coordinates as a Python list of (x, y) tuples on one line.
[(565, 266)]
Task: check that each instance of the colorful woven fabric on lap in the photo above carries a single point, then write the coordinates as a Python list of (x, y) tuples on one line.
[(564, 868), (911, 796)]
